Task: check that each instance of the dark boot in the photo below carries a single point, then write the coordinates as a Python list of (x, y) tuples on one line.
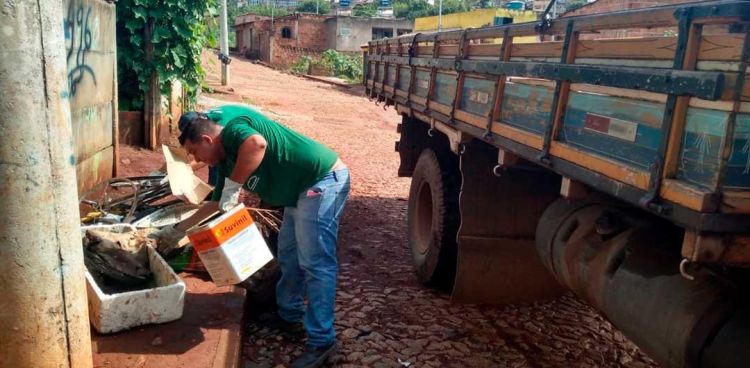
[(314, 356)]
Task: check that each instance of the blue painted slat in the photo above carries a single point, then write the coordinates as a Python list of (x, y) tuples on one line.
[(526, 107), (738, 171), (423, 83), (404, 79), (702, 141), (477, 94), (445, 88), (646, 115), (391, 75)]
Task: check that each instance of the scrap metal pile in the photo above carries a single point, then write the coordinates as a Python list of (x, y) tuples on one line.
[(118, 218)]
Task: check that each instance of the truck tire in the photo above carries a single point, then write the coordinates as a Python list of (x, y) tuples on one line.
[(433, 218)]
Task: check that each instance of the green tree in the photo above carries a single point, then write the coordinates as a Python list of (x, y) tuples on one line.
[(263, 10), (365, 10), (411, 9), (454, 6), (309, 6)]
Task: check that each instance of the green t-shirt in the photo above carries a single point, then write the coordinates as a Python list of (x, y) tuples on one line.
[(291, 164)]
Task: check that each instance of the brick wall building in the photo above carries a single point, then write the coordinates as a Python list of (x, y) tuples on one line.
[(282, 41), (286, 39), (296, 35)]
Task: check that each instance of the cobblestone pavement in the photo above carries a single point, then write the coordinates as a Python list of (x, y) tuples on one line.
[(384, 318)]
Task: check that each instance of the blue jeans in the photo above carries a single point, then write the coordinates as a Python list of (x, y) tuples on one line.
[(307, 257)]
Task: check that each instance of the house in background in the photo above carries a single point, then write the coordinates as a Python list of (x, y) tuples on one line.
[(283, 40), (348, 34)]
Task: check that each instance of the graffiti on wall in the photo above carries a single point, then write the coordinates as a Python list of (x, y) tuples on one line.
[(78, 45)]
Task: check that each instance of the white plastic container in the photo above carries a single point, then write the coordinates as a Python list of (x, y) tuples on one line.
[(231, 247), (110, 313)]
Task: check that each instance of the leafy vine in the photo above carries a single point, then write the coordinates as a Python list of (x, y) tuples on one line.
[(178, 32)]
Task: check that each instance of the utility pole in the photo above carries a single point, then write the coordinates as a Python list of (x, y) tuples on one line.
[(224, 47), (317, 6), (440, 16), (43, 309)]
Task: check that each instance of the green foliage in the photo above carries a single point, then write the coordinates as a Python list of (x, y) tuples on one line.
[(454, 6), (342, 65), (412, 9), (178, 34), (265, 10), (365, 10), (302, 65), (309, 6), (339, 64)]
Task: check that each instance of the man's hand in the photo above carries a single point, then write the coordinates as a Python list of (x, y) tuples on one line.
[(167, 239), (230, 195)]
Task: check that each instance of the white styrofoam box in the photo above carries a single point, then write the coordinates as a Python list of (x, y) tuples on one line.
[(110, 313)]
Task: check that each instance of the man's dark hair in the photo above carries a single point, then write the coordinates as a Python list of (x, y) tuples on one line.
[(192, 125)]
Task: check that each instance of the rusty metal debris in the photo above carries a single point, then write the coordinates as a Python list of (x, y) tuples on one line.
[(143, 204), (123, 200)]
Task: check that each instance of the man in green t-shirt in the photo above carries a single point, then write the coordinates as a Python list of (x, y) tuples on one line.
[(287, 169)]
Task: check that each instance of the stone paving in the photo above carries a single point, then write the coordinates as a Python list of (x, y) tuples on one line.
[(384, 318)]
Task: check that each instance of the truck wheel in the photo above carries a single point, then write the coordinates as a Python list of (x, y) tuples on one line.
[(433, 217)]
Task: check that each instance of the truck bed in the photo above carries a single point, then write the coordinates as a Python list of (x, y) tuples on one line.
[(660, 122)]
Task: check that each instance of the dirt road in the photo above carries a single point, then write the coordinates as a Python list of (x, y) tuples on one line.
[(384, 317)]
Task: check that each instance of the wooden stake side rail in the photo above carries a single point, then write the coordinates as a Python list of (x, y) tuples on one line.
[(592, 104), (726, 11)]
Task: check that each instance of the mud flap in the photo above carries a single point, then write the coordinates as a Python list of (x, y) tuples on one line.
[(497, 259)]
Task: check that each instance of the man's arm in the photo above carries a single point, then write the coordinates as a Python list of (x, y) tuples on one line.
[(249, 157)]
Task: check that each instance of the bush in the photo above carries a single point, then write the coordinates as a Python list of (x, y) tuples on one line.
[(302, 64), (342, 65), (339, 64)]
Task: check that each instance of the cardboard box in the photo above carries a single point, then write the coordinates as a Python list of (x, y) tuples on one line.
[(183, 182), (231, 247)]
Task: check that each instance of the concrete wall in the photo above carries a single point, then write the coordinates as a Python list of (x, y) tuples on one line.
[(353, 32), (472, 19), (43, 309), (89, 27)]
